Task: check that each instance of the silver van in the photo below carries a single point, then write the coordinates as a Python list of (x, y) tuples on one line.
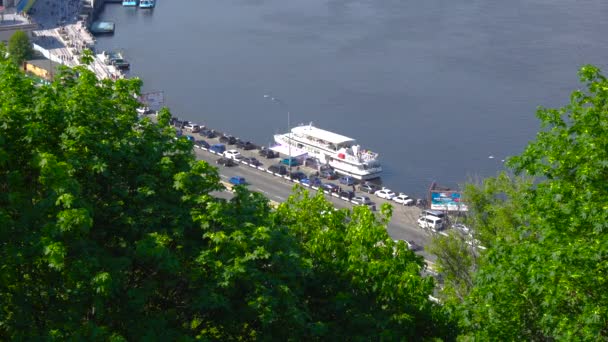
[(431, 222)]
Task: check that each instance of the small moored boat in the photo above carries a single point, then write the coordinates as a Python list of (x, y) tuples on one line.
[(129, 3), (116, 59), (147, 4)]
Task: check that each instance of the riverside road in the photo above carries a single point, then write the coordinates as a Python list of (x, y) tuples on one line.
[(402, 226)]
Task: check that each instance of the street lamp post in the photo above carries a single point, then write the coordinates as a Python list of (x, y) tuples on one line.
[(276, 100)]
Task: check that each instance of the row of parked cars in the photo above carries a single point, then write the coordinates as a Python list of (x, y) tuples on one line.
[(232, 156), (211, 134)]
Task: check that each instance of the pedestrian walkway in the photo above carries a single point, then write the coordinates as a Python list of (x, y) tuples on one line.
[(65, 37)]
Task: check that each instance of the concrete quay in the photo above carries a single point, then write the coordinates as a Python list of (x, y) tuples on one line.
[(62, 36), (277, 188)]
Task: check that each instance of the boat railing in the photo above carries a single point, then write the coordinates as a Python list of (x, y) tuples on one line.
[(368, 155)]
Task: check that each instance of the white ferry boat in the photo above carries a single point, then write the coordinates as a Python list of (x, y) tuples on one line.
[(340, 152)]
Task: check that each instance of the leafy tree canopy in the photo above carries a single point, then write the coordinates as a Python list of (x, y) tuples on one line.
[(20, 47), (543, 275), (109, 232)]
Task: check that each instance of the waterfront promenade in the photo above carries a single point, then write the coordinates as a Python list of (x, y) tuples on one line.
[(62, 37), (402, 226), (65, 38)]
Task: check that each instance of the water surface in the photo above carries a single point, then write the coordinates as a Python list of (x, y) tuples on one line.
[(434, 86)]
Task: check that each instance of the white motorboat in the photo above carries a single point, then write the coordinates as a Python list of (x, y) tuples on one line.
[(340, 152), (147, 4)]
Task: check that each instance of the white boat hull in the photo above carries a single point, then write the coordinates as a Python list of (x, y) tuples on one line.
[(364, 177), (336, 163)]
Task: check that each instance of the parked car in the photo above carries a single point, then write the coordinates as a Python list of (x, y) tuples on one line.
[(297, 175), (328, 174), (190, 138), (370, 188), (347, 193), (385, 193), (361, 200), (268, 153), (236, 180), (208, 133), (290, 162), (346, 180), (233, 154), (330, 187), (245, 145), (228, 139), (311, 162), (226, 161), (192, 127), (178, 123), (278, 168), (253, 161), (218, 148), (313, 181), (431, 222), (202, 143), (403, 199)]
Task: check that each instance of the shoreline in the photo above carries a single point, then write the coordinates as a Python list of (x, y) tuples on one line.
[(78, 32), (63, 34)]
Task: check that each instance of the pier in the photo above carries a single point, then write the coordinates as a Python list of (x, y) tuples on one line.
[(62, 34)]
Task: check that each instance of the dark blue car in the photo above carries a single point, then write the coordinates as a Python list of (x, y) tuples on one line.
[(311, 181), (202, 143), (218, 148)]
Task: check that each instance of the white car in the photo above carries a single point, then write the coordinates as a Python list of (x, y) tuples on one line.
[(233, 154), (192, 127), (403, 199), (385, 193)]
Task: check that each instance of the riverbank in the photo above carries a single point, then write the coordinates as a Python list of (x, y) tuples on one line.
[(78, 35), (63, 34)]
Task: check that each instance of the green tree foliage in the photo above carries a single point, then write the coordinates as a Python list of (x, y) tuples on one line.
[(543, 276), (493, 215), (19, 47), (362, 285), (109, 232)]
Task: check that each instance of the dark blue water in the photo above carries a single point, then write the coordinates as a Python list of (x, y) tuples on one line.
[(434, 86)]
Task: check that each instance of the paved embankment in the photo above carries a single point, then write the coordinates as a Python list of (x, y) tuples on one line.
[(277, 188), (62, 37)]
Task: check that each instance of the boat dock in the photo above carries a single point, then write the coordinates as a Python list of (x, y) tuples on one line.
[(102, 27), (62, 36)]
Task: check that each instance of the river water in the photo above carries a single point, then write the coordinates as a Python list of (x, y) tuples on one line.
[(434, 86)]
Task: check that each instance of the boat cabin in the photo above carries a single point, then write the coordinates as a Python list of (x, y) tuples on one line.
[(323, 138)]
